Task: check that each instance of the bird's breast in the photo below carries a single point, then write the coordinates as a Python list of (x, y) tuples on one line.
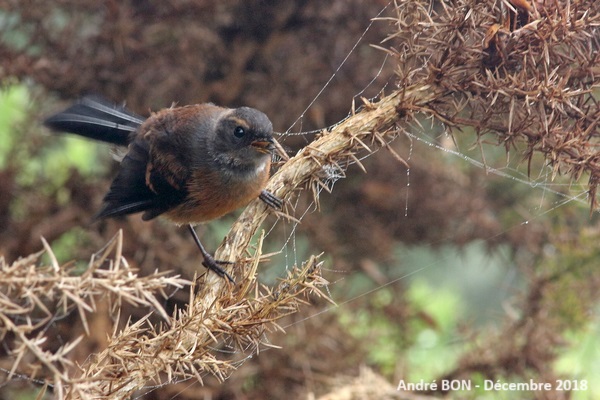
[(213, 193)]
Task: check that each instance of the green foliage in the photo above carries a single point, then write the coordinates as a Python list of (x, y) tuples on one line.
[(581, 360), (381, 336), (39, 165), (65, 245), (426, 350), (481, 277), (45, 164), (435, 349), (13, 106), (56, 159), (573, 301), (26, 394), (16, 33)]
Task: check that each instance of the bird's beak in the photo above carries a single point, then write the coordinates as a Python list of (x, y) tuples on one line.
[(264, 145)]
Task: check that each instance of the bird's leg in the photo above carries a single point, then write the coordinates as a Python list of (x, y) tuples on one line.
[(209, 262), (271, 200)]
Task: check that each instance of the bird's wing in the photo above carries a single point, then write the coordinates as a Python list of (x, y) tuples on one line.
[(140, 187)]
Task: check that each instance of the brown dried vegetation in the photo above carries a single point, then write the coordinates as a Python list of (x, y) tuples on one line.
[(523, 73)]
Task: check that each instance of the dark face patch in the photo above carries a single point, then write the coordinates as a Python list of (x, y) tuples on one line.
[(242, 138)]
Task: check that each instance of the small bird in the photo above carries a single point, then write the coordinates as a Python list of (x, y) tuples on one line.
[(191, 164)]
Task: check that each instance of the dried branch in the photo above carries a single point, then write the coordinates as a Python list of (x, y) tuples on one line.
[(33, 297)]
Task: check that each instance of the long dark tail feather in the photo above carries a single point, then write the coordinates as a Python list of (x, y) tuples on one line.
[(97, 119)]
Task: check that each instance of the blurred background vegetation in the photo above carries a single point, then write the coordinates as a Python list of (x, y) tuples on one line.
[(446, 270)]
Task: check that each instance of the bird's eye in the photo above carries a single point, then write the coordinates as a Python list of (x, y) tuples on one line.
[(239, 132)]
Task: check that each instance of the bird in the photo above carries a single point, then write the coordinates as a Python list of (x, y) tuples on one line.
[(191, 164)]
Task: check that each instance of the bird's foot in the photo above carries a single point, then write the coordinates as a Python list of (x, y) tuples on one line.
[(213, 265), (271, 200)]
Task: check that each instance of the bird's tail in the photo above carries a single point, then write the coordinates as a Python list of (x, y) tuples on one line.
[(97, 119)]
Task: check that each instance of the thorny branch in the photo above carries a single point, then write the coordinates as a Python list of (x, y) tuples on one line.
[(525, 72)]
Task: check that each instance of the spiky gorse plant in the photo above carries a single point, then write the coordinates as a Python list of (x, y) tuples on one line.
[(34, 295), (524, 72)]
